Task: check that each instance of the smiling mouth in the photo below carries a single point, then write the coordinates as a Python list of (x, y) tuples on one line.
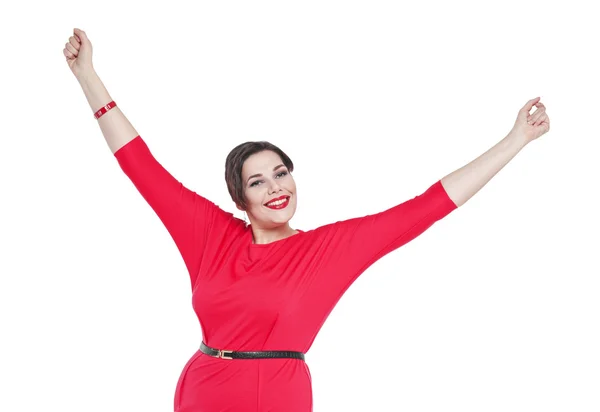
[(278, 204)]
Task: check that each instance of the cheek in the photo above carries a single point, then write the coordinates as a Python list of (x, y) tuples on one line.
[(291, 185), (253, 198)]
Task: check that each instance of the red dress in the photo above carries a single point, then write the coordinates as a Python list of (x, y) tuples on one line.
[(275, 296)]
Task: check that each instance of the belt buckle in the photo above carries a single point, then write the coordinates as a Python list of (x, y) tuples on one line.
[(221, 354)]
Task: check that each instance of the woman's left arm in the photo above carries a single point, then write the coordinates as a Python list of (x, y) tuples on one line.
[(463, 183)]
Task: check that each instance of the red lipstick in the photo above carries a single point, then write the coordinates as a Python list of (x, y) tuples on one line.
[(281, 206)]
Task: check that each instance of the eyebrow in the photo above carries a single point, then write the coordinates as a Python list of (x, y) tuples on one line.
[(260, 174)]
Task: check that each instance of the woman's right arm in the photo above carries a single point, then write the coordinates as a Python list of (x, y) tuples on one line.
[(115, 127), (190, 219)]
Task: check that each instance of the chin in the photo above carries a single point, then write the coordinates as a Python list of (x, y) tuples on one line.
[(275, 221), (281, 221)]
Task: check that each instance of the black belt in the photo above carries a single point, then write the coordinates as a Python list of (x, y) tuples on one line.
[(229, 354)]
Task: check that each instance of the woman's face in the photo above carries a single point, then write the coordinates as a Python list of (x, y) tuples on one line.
[(266, 179)]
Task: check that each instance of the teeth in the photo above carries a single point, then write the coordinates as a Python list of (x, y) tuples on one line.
[(277, 203)]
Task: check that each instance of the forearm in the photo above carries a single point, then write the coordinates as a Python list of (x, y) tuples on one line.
[(463, 183), (114, 125)]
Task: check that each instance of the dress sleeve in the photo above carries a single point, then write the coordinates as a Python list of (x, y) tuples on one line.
[(355, 244), (188, 217)]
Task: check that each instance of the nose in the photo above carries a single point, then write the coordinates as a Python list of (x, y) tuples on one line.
[(274, 187)]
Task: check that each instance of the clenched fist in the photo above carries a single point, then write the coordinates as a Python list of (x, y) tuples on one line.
[(78, 51)]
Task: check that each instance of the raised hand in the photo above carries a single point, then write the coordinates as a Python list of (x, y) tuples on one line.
[(78, 51), (531, 126)]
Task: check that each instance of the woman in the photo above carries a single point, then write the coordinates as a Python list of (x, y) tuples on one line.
[(262, 291)]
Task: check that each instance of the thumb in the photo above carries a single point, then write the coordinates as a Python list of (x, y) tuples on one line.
[(528, 106), (82, 36)]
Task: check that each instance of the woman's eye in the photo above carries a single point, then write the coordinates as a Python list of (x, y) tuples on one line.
[(256, 182)]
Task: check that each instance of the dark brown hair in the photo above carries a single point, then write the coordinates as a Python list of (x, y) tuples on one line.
[(235, 160)]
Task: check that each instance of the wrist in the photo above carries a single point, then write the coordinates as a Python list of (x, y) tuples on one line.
[(517, 139), (85, 75)]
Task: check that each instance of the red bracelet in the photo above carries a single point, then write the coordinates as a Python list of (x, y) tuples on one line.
[(105, 109)]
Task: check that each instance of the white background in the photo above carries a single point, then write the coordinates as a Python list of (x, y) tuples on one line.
[(494, 308)]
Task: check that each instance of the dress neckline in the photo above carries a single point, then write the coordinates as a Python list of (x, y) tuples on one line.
[(270, 244)]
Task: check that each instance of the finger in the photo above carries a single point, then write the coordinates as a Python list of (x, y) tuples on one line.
[(545, 124), (540, 120), (81, 34), (538, 106), (68, 54), (72, 49), (529, 105), (75, 43), (536, 116)]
